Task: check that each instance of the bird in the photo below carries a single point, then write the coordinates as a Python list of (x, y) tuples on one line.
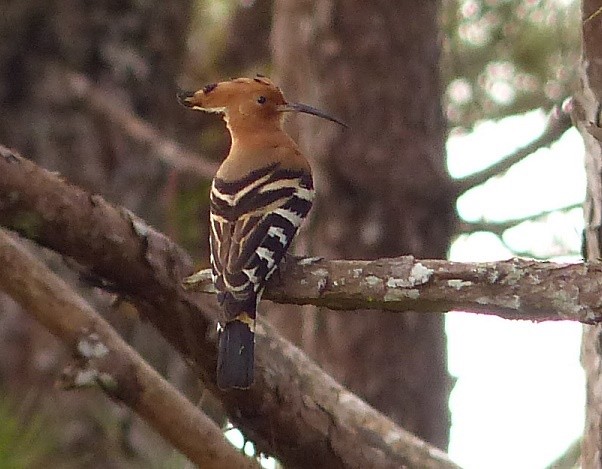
[(260, 195)]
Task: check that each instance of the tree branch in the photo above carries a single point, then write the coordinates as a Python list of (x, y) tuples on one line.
[(512, 289), (105, 360), (498, 227), (168, 151), (569, 459), (294, 410), (558, 123)]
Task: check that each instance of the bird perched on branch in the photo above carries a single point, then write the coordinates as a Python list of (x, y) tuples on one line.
[(260, 195)]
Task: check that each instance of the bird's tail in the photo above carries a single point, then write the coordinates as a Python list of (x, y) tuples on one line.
[(235, 356)]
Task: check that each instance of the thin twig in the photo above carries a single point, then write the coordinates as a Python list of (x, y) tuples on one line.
[(592, 16), (558, 123), (570, 458), (498, 227), (167, 150), (106, 361)]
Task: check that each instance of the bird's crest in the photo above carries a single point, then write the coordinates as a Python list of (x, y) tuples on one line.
[(246, 98)]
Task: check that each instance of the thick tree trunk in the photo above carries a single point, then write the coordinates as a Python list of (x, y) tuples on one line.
[(133, 51), (587, 117), (382, 187)]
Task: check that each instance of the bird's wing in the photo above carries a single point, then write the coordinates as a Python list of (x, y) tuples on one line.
[(253, 222)]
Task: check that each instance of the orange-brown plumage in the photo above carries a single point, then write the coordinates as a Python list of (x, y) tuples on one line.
[(260, 195)]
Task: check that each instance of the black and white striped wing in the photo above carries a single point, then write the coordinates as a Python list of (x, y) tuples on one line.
[(253, 222)]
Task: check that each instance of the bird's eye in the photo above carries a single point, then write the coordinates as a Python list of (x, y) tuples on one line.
[(261, 99)]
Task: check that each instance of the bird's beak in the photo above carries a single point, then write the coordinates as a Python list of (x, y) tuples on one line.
[(297, 107), (198, 100), (185, 98)]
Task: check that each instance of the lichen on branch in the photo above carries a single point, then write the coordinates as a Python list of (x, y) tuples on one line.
[(512, 289), (320, 424)]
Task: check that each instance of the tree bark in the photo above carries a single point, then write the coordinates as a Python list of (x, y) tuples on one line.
[(104, 360), (294, 410), (382, 187), (132, 51), (512, 289), (587, 117)]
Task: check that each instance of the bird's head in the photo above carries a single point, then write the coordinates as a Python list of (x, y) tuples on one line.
[(246, 99)]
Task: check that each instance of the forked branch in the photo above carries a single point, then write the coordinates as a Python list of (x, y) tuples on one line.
[(294, 410)]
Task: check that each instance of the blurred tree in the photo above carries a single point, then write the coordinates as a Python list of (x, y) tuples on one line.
[(507, 57), (247, 41), (499, 57), (130, 49), (587, 114), (382, 187), (133, 51), (227, 38)]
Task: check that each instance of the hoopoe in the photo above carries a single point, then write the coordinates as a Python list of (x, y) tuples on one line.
[(260, 195)]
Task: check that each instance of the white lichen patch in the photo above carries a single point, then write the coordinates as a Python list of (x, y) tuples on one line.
[(493, 276), (567, 304), (591, 315), (513, 277), (420, 274), (372, 280), (201, 281), (139, 226), (85, 378), (309, 260), (458, 284), (412, 294), (91, 347), (511, 302), (346, 399), (357, 272), (203, 275), (107, 381), (391, 437), (91, 377), (338, 283), (401, 294), (320, 273), (393, 282)]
